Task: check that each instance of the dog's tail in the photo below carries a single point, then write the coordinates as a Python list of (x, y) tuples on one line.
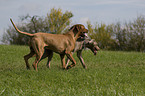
[(25, 33)]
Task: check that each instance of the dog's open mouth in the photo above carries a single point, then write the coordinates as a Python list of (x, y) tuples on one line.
[(95, 51)]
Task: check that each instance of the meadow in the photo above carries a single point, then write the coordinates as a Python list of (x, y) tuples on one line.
[(109, 73)]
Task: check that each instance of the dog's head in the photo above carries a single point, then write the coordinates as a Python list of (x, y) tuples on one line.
[(79, 29), (92, 45)]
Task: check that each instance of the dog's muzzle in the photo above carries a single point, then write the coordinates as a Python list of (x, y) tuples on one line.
[(95, 51)]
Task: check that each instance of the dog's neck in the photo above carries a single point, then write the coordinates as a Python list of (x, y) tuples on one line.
[(73, 34), (76, 34)]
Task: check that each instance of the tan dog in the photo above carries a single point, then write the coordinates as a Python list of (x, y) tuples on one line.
[(62, 44), (80, 44)]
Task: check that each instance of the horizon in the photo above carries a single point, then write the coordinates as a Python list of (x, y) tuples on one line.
[(104, 11)]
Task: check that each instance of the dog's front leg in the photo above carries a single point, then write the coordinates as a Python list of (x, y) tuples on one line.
[(50, 55), (79, 55), (67, 60), (62, 56), (69, 56)]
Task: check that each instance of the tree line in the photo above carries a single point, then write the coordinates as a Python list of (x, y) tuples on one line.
[(125, 37), (129, 36)]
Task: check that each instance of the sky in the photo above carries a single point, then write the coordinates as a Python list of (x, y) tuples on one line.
[(101, 11)]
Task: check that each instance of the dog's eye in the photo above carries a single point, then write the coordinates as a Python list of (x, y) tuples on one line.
[(83, 32)]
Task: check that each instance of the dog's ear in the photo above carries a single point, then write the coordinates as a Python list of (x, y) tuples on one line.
[(87, 41), (78, 27), (92, 41), (74, 28), (82, 27)]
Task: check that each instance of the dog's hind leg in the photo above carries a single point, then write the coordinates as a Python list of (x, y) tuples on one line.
[(67, 60), (50, 55), (62, 56), (38, 58), (28, 56), (39, 50)]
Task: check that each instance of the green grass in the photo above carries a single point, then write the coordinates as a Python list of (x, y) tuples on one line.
[(109, 73)]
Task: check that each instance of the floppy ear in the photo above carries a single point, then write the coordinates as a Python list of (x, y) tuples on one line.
[(82, 27), (74, 28), (77, 28), (92, 40), (87, 41)]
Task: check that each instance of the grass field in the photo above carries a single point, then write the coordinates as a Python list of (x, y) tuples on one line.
[(109, 73)]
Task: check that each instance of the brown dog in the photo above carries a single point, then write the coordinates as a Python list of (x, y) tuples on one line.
[(62, 44), (80, 44)]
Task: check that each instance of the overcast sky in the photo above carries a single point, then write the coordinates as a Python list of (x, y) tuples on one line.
[(106, 11)]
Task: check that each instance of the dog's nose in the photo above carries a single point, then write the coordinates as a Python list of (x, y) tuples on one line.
[(98, 48)]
